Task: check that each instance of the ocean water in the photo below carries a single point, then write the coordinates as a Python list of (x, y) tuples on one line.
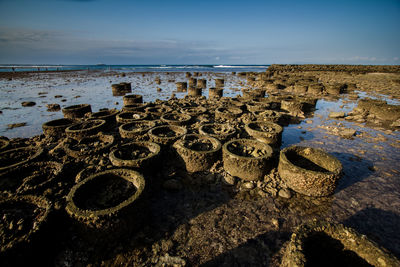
[(136, 68)]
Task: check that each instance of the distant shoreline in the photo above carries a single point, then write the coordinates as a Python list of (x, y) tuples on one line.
[(201, 68), (26, 70), (10, 74), (162, 67), (335, 67)]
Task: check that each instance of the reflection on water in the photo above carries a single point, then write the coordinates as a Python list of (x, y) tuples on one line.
[(390, 101), (80, 87), (370, 147), (370, 162)]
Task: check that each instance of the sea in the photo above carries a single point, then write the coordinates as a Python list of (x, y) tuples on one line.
[(136, 68)]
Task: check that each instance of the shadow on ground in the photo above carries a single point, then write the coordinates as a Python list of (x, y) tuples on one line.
[(355, 169), (255, 252), (379, 225)]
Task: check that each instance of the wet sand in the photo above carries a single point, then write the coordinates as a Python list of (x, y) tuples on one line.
[(210, 218)]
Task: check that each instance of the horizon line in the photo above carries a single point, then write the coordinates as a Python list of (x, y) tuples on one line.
[(191, 64)]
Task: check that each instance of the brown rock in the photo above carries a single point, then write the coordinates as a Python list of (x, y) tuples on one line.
[(347, 133), (15, 125), (53, 107), (229, 179), (28, 104), (336, 115), (285, 193)]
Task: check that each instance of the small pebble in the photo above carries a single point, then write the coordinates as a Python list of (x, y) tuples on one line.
[(53, 107), (229, 179), (336, 115), (248, 185), (15, 125), (28, 104), (347, 133), (285, 193), (275, 222)]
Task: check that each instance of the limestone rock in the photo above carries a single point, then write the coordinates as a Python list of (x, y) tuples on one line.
[(229, 179), (248, 185), (53, 107), (28, 104), (337, 115), (285, 193), (347, 133)]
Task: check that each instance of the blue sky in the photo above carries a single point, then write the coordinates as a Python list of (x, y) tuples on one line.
[(199, 32)]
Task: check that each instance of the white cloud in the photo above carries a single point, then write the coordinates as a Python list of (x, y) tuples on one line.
[(21, 36), (15, 44)]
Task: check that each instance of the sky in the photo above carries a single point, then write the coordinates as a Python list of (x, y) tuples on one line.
[(199, 32)]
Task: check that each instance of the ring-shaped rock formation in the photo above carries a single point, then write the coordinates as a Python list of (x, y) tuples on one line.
[(136, 130), (219, 131), (130, 116), (330, 244), (266, 132), (76, 111), (176, 118), (166, 134), (56, 128), (106, 204), (89, 145), (14, 157), (309, 171), (247, 159), (199, 152), (135, 155), (83, 129)]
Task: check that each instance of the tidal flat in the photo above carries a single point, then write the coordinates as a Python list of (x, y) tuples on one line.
[(122, 184)]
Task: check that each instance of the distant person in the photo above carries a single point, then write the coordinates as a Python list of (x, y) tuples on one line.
[(13, 69)]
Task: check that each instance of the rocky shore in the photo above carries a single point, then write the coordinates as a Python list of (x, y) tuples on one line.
[(221, 172)]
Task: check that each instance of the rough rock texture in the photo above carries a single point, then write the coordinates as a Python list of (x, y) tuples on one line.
[(309, 171), (328, 244), (199, 152), (247, 166)]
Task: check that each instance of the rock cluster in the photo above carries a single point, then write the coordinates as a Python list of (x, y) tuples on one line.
[(100, 169)]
